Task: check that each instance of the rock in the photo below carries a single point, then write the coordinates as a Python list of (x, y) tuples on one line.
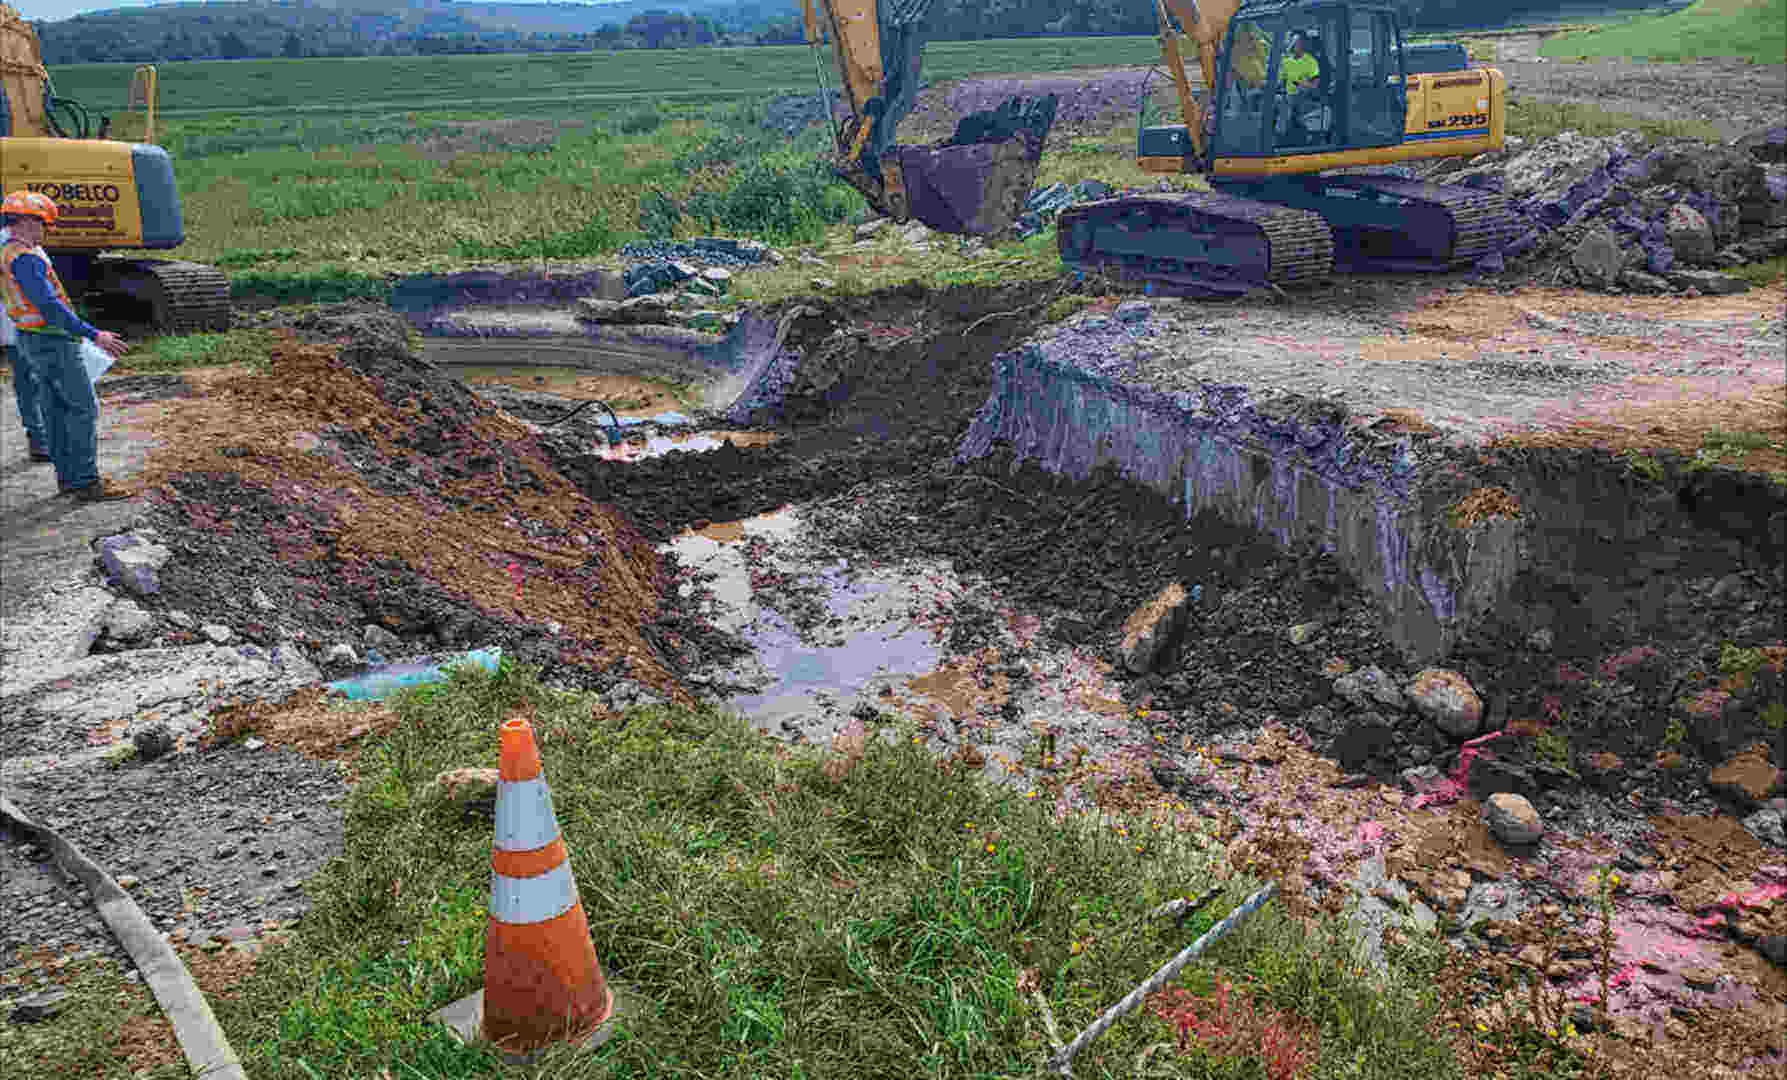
[(1598, 258), (1766, 144), (1424, 780), (217, 633), (463, 786), (718, 279), (1540, 640), (132, 562), (823, 283), (124, 621), (377, 637), (253, 744), (1640, 282), (128, 881), (1767, 826), (1369, 684), (683, 271), (1447, 698), (1151, 627), (1707, 282), (1490, 775), (644, 309), (915, 233), (1690, 237), (1748, 776), (1134, 311), (599, 310), (1302, 632), (1773, 946), (1513, 819), (868, 230), (153, 741), (40, 1006), (341, 654), (181, 619), (261, 600)]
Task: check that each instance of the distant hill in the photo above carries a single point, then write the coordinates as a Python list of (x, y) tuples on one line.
[(301, 28)]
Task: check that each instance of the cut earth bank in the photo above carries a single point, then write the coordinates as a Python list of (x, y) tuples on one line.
[(354, 497)]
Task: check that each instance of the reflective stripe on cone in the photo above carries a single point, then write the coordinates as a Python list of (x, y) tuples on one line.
[(542, 982)]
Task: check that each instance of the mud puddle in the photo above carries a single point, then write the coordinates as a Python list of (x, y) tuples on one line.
[(837, 641), (640, 447), (629, 396)]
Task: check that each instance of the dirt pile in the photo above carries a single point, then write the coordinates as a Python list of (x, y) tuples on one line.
[(1621, 211), (350, 484)]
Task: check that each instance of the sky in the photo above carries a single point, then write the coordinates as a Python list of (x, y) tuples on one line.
[(51, 10)]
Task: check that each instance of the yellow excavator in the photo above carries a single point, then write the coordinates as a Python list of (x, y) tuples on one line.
[(974, 183), (112, 194), (1300, 98)]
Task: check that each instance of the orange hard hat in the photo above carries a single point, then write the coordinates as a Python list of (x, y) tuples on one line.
[(30, 204)]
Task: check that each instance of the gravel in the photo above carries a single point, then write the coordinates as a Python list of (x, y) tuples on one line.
[(215, 844)]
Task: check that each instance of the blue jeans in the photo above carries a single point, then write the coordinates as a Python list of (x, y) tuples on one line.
[(70, 407), (24, 389)]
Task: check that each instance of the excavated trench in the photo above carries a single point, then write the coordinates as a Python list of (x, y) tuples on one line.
[(940, 508)]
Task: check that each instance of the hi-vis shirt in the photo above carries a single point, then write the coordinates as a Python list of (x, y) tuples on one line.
[(35, 299)]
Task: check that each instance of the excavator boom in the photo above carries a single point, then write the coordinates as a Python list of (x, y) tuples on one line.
[(974, 183)]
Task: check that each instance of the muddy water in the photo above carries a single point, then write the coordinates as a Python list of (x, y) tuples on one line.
[(837, 641), (636, 448)]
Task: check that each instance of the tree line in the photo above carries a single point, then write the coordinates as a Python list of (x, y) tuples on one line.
[(297, 28)]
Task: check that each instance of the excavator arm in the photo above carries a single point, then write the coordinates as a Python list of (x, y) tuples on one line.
[(974, 183), (1201, 29)]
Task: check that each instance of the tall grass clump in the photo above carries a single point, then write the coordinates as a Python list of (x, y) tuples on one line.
[(862, 911)]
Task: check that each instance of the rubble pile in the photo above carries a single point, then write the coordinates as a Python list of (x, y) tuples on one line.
[(1624, 212)]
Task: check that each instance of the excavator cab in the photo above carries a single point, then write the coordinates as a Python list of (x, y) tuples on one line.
[(1300, 80)]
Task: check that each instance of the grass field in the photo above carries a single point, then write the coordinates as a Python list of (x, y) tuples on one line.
[(1753, 30), (549, 84)]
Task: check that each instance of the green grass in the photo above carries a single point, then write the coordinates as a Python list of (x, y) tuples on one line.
[(1753, 30), (1541, 119), (778, 919), (1769, 271), (178, 353)]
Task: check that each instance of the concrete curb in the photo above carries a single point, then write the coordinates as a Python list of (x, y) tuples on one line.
[(207, 1052)]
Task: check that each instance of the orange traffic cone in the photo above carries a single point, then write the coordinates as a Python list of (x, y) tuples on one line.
[(542, 982)]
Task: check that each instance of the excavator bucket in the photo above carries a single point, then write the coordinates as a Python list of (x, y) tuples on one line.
[(976, 182)]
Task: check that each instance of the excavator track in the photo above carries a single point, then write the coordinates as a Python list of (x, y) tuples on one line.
[(1196, 242), (182, 297), (1387, 224), (1480, 219)]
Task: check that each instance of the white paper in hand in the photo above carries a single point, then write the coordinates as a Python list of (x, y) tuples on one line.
[(96, 359)]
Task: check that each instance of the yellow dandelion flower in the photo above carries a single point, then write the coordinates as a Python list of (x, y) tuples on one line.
[(991, 848), (969, 825), (1075, 948)]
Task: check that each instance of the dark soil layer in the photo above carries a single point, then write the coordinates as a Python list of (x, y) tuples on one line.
[(1649, 678)]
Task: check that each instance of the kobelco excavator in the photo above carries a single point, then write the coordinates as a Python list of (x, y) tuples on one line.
[(112, 194), (1298, 96), (974, 183)]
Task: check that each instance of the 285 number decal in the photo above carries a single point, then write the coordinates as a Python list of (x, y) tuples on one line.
[(1460, 120)]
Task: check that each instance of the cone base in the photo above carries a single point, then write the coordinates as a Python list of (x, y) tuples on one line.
[(465, 1018)]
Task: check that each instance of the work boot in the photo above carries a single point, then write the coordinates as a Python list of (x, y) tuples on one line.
[(99, 491)]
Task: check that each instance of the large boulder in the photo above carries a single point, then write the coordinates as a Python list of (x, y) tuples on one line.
[(1598, 258), (1448, 699), (1151, 627), (1690, 237)]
